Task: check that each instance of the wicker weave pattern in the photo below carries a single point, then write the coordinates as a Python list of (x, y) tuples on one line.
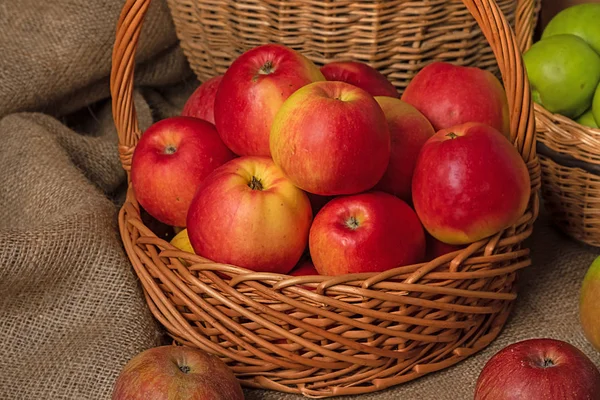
[(570, 193), (397, 37), (324, 336)]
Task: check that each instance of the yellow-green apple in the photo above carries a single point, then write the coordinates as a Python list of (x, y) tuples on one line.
[(450, 95), (182, 242), (248, 213), (253, 89), (201, 103), (538, 369), (589, 304), (563, 71), (596, 106), (587, 118), (469, 183), (409, 130), (367, 232), (360, 74), (176, 372), (577, 19), (331, 138), (170, 160)]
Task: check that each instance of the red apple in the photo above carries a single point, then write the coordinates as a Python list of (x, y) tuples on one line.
[(176, 372), (367, 232), (251, 92), (248, 213), (450, 95), (331, 138), (304, 268), (170, 161), (539, 369), (201, 104), (361, 75), (436, 249), (469, 183), (409, 130)]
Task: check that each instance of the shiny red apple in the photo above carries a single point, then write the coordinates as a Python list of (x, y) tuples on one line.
[(170, 161), (251, 92), (450, 95), (539, 369), (367, 232), (469, 183)]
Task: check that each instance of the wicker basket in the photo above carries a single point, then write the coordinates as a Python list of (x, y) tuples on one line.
[(398, 37), (324, 336), (570, 162)]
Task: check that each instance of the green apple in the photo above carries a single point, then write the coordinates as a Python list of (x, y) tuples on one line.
[(563, 71), (582, 20), (589, 304), (596, 106), (587, 118)]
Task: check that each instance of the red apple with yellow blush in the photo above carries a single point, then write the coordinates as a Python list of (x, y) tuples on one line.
[(331, 138), (176, 372), (253, 89), (248, 213), (409, 130)]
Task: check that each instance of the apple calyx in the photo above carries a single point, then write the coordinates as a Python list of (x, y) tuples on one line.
[(170, 149), (548, 363), (255, 184), (267, 68), (185, 369), (452, 135), (543, 362), (352, 223)]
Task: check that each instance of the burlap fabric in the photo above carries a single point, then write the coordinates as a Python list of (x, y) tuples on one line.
[(71, 310)]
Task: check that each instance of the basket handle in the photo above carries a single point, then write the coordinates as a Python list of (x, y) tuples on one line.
[(488, 15), (525, 22), (128, 32)]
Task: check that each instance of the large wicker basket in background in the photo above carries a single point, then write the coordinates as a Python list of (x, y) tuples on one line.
[(570, 162), (398, 37), (325, 336)]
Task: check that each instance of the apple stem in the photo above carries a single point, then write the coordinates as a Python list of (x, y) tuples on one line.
[(352, 223), (452, 135), (170, 149), (255, 184)]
